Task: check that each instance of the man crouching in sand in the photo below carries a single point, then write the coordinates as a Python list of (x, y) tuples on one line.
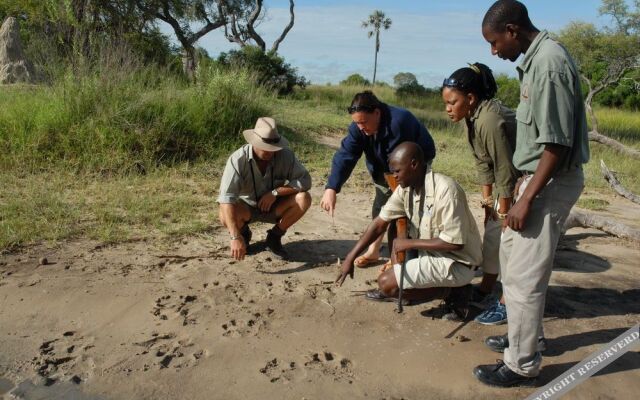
[(262, 181), (441, 229)]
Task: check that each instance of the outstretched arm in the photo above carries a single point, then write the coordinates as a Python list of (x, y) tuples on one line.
[(377, 227)]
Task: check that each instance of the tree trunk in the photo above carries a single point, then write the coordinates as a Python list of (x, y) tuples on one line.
[(615, 184), (619, 147), (605, 224), (589, 109), (375, 61), (189, 63)]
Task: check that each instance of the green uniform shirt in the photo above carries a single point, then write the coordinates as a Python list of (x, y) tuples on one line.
[(491, 131), (551, 108)]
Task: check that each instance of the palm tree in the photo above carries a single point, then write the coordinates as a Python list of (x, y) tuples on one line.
[(376, 21)]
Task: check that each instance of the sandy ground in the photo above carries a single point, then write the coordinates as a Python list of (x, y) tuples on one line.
[(181, 320)]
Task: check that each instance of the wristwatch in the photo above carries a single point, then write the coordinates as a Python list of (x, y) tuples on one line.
[(275, 192)]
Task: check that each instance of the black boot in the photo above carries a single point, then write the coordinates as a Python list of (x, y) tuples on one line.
[(246, 234), (500, 375), (457, 303), (274, 242)]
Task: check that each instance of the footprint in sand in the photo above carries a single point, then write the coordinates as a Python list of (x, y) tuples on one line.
[(175, 306), (166, 351), (65, 358)]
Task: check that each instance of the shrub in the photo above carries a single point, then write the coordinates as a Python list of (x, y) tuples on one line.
[(356, 80), (128, 119), (271, 70), (508, 91)]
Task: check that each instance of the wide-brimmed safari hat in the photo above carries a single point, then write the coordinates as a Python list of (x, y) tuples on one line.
[(265, 135)]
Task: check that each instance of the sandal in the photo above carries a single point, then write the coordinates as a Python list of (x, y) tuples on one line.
[(363, 262), (388, 265), (377, 295)]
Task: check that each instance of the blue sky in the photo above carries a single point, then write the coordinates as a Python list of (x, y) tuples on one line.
[(429, 38)]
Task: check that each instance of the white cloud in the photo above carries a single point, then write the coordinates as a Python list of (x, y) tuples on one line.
[(327, 43)]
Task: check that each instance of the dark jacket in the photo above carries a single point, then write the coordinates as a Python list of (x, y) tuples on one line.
[(397, 125)]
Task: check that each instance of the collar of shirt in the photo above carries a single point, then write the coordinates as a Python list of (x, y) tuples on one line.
[(478, 110), (532, 50), (385, 118)]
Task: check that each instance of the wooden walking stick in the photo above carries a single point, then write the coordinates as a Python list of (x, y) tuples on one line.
[(401, 233)]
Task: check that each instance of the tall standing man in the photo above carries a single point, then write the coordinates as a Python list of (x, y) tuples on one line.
[(264, 181), (376, 129), (551, 146)]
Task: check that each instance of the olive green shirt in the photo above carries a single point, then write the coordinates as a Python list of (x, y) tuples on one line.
[(242, 179), (551, 109), (439, 211), (491, 132)]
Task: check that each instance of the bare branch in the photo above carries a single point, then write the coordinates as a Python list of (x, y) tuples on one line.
[(616, 185), (276, 44), (605, 224), (253, 17), (619, 147)]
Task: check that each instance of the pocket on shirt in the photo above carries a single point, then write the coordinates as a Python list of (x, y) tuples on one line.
[(523, 113)]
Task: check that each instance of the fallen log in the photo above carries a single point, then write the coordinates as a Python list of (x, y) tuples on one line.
[(619, 147), (616, 185), (602, 223)]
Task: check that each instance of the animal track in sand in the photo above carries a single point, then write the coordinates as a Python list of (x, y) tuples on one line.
[(65, 356), (177, 305), (252, 325), (325, 363), (165, 351), (328, 363)]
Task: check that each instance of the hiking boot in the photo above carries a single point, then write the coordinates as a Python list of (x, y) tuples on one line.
[(457, 303), (496, 315), (499, 343), (246, 234), (274, 243), (500, 375)]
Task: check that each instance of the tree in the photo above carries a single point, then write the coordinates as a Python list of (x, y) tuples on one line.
[(179, 14), (404, 79), (242, 18), (508, 90), (355, 80), (605, 56), (377, 20)]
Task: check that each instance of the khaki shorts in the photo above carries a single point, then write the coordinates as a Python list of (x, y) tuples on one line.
[(269, 217), (431, 271)]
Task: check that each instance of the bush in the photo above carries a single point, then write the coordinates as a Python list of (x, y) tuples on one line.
[(271, 70), (356, 80), (128, 119), (411, 89), (508, 91)]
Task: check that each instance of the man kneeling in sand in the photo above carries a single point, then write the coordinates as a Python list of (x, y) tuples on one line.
[(262, 181), (441, 229)]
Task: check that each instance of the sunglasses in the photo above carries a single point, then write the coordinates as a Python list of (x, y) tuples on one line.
[(355, 109), (453, 83)]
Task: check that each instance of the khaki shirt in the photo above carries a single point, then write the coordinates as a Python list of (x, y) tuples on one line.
[(491, 132), (239, 183), (551, 108), (445, 215)]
